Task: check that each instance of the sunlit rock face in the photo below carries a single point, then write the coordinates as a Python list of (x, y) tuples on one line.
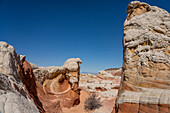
[(14, 96), (110, 73), (58, 86), (145, 84)]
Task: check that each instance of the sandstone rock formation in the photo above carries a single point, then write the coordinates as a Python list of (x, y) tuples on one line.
[(110, 73), (28, 79), (26, 88), (114, 71), (13, 94), (58, 86), (145, 83)]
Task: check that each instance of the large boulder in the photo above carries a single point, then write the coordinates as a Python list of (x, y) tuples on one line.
[(13, 95), (145, 83)]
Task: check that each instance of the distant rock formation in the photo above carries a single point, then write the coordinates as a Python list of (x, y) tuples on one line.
[(114, 71), (110, 73), (58, 86), (104, 85), (13, 94), (145, 83)]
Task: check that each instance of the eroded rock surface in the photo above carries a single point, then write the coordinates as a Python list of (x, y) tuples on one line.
[(105, 85), (27, 88), (110, 73), (28, 79), (145, 84), (13, 94), (58, 86)]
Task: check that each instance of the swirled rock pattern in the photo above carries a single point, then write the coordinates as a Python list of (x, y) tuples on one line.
[(26, 88), (145, 84), (58, 86)]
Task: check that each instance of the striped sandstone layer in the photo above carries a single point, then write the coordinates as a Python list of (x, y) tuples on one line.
[(145, 82)]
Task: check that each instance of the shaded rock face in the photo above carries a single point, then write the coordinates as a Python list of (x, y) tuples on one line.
[(13, 96), (145, 84), (58, 86), (28, 79)]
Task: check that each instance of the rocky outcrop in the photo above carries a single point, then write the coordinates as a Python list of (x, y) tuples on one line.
[(26, 88), (13, 94), (110, 73), (114, 71), (58, 86), (145, 83)]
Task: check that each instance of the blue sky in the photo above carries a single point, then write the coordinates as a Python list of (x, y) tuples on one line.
[(50, 31)]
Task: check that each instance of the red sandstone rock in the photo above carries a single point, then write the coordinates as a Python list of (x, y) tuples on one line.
[(28, 79), (58, 86)]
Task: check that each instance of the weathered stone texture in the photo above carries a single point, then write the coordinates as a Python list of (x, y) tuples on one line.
[(26, 88), (28, 79), (145, 84), (110, 73), (13, 97), (58, 86)]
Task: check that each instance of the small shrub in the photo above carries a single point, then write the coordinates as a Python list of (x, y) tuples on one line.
[(88, 87), (92, 103)]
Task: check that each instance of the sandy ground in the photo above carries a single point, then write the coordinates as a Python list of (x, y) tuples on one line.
[(106, 108)]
